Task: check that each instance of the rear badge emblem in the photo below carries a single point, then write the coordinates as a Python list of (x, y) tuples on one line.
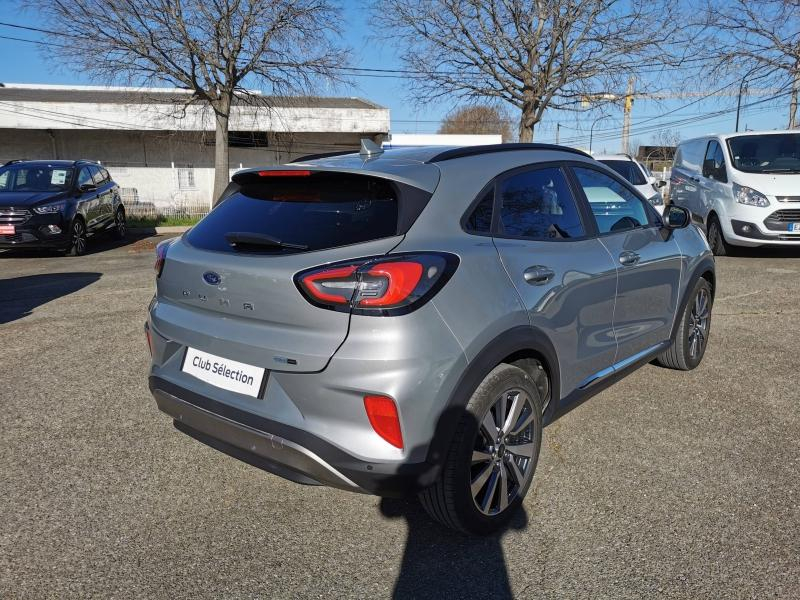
[(211, 278)]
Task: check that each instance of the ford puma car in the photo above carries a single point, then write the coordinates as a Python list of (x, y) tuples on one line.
[(58, 204), (405, 322)]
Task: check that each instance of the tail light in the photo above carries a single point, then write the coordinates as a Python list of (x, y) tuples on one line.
[(382, 415), (161, 256), (388, 285)]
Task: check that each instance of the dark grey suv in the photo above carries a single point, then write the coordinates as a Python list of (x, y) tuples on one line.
[(407, 321)]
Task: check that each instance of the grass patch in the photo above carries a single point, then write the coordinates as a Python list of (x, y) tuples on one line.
[(162, 221)]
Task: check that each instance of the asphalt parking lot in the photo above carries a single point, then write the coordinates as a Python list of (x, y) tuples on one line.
[(682, 485)]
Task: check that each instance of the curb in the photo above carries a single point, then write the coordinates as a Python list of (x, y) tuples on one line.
[(159, 230)]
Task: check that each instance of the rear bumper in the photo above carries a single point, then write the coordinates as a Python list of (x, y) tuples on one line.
[(285, 451)]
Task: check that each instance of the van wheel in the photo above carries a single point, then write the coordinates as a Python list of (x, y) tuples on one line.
[(491, 460), (716, 239), (691, 338)]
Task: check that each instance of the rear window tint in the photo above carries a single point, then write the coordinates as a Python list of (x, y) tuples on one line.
[(323, 210)]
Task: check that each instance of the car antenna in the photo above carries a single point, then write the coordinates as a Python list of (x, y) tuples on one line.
[(369, 148)]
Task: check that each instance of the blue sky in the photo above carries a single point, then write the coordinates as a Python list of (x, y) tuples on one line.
[(24, 63)]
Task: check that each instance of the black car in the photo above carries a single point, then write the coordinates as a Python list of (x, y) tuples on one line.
[(57, 204)]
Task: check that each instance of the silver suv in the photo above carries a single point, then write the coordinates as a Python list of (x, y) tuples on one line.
[(407, 321)]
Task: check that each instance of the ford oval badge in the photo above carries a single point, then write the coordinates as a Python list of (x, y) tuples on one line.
[(212, 278)]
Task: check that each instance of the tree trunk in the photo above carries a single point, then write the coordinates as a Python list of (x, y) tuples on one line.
[(527, 121), (221, 168)]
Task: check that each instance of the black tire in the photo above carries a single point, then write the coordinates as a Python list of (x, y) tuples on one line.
[(78, 238), (716, 238), (450, 500), (120, 230), (683, 355)]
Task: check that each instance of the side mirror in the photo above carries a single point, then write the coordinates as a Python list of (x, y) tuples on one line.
[(87, 187), (677, 217), (660, 183)]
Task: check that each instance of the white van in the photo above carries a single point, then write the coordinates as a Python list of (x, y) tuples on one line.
[(744, 187), (637, 175)]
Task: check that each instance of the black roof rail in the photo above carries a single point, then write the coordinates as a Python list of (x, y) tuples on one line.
[(14, 160), (491, 148), (323, 155)]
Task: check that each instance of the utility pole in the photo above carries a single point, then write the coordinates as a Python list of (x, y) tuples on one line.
[(626, 116), (795, 92), (558, 132)]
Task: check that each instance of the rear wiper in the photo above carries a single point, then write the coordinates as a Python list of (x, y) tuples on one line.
[(238, 238)]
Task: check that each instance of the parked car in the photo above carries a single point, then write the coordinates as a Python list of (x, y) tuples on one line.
[(407, 321), (637, 175), (743, 187), (57, 204)]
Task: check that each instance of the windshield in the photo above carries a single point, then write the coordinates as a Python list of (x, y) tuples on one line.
[(35, 178), (627, 169), (774, 153)]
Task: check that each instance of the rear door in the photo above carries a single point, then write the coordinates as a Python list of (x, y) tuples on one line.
[(105, 195), (241, 302), (647, 259), (88, 202), (564, 275)]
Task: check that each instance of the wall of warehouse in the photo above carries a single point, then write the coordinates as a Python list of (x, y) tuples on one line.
[(163, 168)]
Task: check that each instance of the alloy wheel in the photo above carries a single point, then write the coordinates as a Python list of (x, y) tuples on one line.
[(502, 458), (699, 318), (78, 237), (119, 220)]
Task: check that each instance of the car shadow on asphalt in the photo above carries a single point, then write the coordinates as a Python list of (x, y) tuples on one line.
[(441, 563), (19, 296)]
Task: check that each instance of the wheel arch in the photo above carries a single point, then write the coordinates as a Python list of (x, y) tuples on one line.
[(512, 345)]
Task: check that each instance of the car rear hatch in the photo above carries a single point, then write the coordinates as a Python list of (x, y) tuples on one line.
[(228, 286)]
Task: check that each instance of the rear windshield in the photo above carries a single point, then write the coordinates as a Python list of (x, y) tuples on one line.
[(774, 153), (302, 213), (35, 178), (627, 169)]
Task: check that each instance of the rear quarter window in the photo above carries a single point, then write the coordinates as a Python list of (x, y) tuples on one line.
[(317, 211)]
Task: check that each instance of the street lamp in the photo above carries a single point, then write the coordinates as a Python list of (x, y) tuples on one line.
[(591, 130)]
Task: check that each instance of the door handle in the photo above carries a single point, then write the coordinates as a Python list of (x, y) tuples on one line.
[(628, 258), (538, 275)]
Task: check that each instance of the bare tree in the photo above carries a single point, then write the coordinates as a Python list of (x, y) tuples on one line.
[(478, 119), (212, 47), (759, 41), (532, 54)]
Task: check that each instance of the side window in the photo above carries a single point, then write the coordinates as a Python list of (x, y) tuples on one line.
[(84, 177), (714, 163), (614, 206), (97, 176), (106, 176), (480, 221), (539, 205)]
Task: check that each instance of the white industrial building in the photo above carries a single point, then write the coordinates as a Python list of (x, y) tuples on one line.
[(159, 146)]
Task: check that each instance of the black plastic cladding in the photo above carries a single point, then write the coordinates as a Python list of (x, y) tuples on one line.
[(451, 262)]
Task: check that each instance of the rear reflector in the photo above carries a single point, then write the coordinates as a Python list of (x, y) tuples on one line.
[(382, 414), (286, 173), (386, 285), (149, 339)]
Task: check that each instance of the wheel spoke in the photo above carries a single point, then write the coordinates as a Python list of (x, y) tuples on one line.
[(517, 404), (525, 449), (480, 480), (514, 468), (479, 456), (500, 411), (489, 427), (491, 488), (503, 487), (520, 427)]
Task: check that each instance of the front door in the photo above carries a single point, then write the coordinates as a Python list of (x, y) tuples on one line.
[(88, 203), (648, 261), (564, 275)]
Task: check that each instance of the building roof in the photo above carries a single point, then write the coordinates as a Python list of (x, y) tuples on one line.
[(15, 92)]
